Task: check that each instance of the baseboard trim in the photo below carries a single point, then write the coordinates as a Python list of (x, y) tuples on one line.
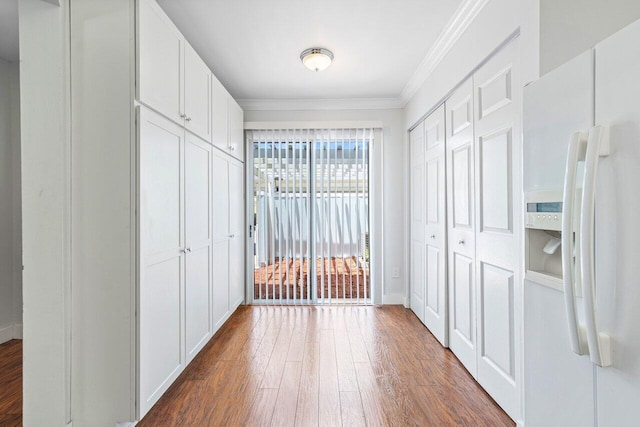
[(393, 299), (11, 332), (17, 331), (6, 334)]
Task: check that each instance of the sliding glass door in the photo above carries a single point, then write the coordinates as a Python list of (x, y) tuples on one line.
[(310, 226)]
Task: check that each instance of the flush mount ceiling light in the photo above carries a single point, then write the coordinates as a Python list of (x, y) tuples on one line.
[(316, 58)]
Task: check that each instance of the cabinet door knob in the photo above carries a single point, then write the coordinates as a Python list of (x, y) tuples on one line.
[(183, 115), (188, 119), (232, 148), (433, 236), (231, 236), (188, 249), (461, 242)]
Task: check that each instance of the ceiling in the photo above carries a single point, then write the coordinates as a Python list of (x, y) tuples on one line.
[(253, 46), (9, 30)]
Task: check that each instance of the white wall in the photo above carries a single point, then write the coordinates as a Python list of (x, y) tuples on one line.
[(10, 223), (393, 182), (44, 111), (569, 27)]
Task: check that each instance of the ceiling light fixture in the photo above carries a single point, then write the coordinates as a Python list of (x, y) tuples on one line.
[(316, 58)]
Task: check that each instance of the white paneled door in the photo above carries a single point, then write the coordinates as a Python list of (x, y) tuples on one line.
[(435, 296), (221, 233), (418, 221), (498, 224), (161, 256), (461, 225), (198, 240)]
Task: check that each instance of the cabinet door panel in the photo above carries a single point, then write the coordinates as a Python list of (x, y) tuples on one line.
[(220, 282), (160, 58), (161, 147), (236, 197), (236, 130), (220, 182), (160, 332), (198, 299), (219, 115), (197, 192), (236, 271), (197, 94)]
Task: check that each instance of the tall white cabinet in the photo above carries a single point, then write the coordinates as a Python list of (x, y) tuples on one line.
[(470, 263), (191, 203), (228, 236)]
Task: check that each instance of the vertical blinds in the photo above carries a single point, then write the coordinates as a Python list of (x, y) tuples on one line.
[(311, 215)]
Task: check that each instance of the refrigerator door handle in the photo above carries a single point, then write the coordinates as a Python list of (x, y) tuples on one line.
[(577, 334), (599, 343)]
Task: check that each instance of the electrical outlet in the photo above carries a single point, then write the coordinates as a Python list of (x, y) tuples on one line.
[(396, 272)]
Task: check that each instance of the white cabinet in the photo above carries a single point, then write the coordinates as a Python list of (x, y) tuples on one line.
[(161, 294), (160, 57), (236, 130), (172, 79), (237, 221), (175, 251), (197, 94), (228, 122), (228, 232), (198, 243)]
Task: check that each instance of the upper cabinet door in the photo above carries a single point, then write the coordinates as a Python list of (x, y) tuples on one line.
[(236, 130), (197, 94), (160, 59), (219, 115)]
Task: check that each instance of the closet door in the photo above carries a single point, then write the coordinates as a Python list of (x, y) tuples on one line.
[(198, 237), (418, 221), (197, 94), (461, 225), (498, 237), (161, 293), (236, 228), (435, 312), (219, 115), (160, 57), (221, 233)]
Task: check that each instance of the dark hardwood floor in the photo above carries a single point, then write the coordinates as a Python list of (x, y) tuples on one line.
[(11, 383), (325, 366)]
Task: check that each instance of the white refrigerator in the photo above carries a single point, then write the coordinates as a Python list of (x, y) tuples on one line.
[(582, 331)]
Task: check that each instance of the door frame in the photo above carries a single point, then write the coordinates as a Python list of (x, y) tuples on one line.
[(376, 197)]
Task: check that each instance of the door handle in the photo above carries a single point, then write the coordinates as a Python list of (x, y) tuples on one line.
[(599, 343), (433, 236), (574, 153), (461, 242), (231, 236)]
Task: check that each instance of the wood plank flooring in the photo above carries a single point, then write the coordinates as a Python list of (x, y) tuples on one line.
[(325, 366), (11, 383)]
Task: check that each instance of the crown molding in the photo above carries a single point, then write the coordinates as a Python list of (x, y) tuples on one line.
[(457, 25), (320, 104)]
